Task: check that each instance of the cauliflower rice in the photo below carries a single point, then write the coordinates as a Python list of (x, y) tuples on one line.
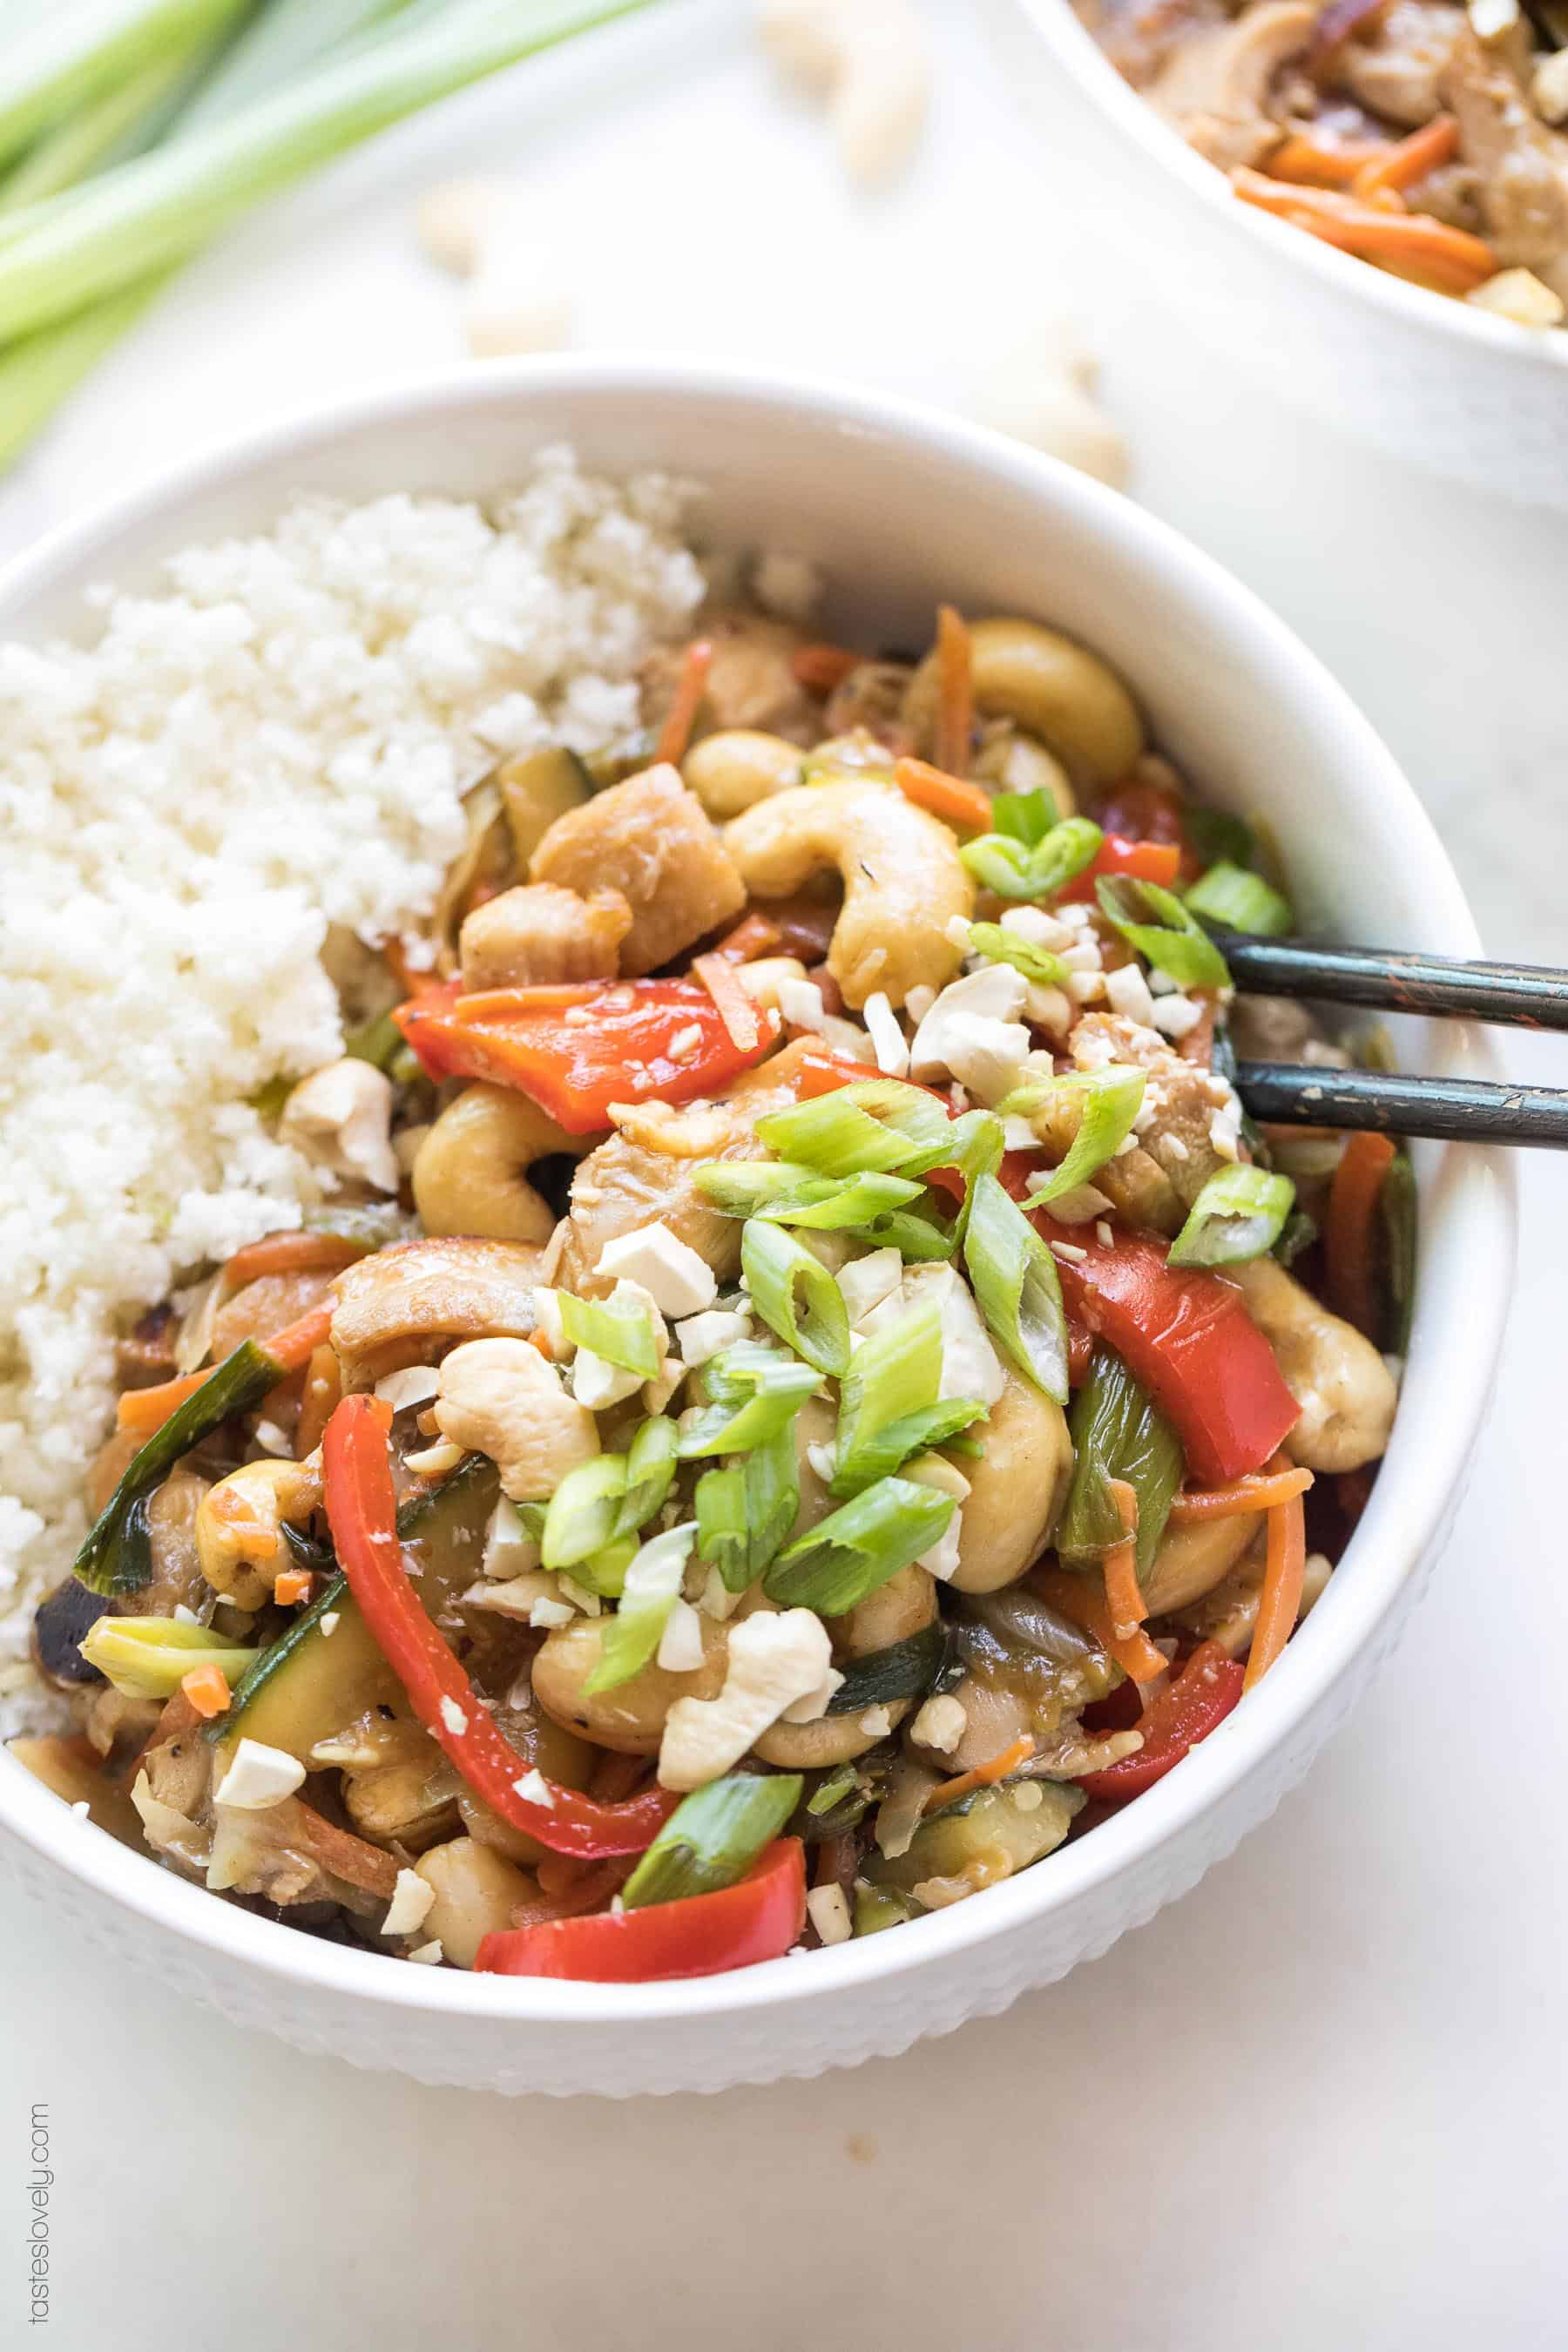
[(277, 741)]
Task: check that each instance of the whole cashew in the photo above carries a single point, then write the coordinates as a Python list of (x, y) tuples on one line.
[(870, 59), (1344, 1389), (629, 1718), (239, 1527), (906, 1605), (730, 771), (903, 881), (1191, 1561), (471, 1173), (1016, 1492), (1068, 696)]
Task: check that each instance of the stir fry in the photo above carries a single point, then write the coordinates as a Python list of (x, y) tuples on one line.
[(809, 1391), (1421, 136)]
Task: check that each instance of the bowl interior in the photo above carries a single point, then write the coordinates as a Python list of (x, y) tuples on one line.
[(903, 509)]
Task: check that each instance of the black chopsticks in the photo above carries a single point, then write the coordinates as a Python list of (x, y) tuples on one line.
[(1459, 1111), (1391, 980)]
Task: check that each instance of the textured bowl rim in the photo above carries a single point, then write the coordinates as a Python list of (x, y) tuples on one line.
[(1376, 290), (1475, 1224)]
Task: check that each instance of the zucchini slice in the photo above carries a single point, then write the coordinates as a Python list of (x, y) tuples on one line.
[(311, 1684)]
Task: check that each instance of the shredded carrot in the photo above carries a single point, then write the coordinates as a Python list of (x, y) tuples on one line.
[(737, 1010), (294, 1253), (323, 1387), (1078, 1598), (820, 668), (1349, 1228), (1400, 166), (539, 1339), (1123, 1597), (1302, 159), (681, 716), (206, 1687), (292, 1587), (146, 1410), (1375, 231), (985, 1776), (950, 797), (1202, 1505), (296, 1342), (1279, 1603), (956, 691), (754, 935)]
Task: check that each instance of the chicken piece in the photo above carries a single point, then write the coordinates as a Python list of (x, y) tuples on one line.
[(537, 937), (1157, 1182), (1214, 87), (1522, 189), (647, 1173), (751, 682), (650, 840), (400, 1306), (1393, 66)]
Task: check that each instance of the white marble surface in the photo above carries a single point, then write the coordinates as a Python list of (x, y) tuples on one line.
[(1321, 2101)]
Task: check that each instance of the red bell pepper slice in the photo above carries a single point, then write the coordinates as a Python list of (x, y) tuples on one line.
[(575, 1051), (1201, 1696), (1187, 1336), (1139, 861), (756, 1919), (362, 1512)]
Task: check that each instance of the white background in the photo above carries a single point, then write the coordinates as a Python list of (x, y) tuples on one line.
[(1320, 2102)]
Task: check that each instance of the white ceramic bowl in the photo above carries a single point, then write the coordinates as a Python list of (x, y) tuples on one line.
[(1452, 387), (903, 508)]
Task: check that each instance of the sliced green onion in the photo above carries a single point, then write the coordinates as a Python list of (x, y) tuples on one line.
[(651, 1472), (148, 1657), (1117, 1433), (858, 1547), (583, 1512), (753, 1392), (1013, 870), (1174, 942), (796, 1296), (620, 1331), (131, 223), (898, 1441), (834, 1789), (714, 1836), (909, 1111), (1239, 1214), (1111, 1098), (1017, 1288), (1003, 946), (834, 1134), (739, 1187), (744, 1512), (895, 1373), (648, 1593), (1240, 901), (918, 1234), (854, 1203), (605, 1571), (117, 1556), (1024, 816)]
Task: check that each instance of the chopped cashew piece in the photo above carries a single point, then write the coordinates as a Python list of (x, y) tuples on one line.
[(827, 1907), (975, 1033), (670, 1270), (499, 1397), (257, 1777), (341, 1118), (774, 1660), (940, 1724), (510, 1549), (410, 1904), (865, 1282)]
